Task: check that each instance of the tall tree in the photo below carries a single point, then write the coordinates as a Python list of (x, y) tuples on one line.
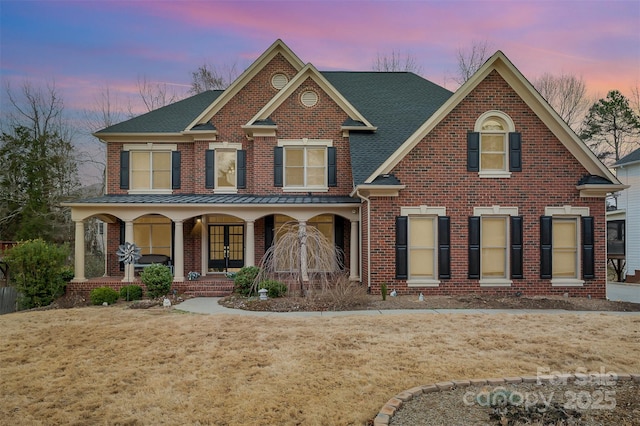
[(567, 95), (39, 168), (612, 128), (396, 61), (470, 60), (210, 77)]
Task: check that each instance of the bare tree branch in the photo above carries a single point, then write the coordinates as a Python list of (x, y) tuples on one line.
[(396, 61), (470, 60), (567, 95)]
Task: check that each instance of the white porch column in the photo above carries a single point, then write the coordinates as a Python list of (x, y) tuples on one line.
[(354, 274), (204, 246), (79, 256), (178, 252), (249, 248), (129, 270)]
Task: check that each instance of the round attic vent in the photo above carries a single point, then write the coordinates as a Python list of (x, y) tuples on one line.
[(279, 81), (309, 98)]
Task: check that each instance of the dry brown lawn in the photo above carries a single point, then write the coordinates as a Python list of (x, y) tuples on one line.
[(114, 365)]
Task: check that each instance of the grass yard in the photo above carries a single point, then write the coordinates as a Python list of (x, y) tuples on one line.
[(111, 365)]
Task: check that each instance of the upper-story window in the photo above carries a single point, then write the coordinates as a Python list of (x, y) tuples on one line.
[(306, 164), (494, 148), (225, 167), (150, 168)]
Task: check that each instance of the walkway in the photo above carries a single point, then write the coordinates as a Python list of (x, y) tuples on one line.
[(209, 305)]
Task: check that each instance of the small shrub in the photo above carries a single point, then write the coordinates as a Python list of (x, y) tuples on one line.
[(37, 271), (274, 288), (100, 295), (383, 290), (67, 274), (343, 295), (243, 281), (131, 292), (158, 279)]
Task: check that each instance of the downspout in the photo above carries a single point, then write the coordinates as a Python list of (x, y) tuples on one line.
[(368, 236)]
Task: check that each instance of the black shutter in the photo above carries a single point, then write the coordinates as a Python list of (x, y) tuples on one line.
[(122, 230), (473, 151), (444, 247), (401, 247), (516, 247), (474, 247), (124, 169), (242, 169), (175, 170), (277, 166), (209, 159), (588, 255), (338, 233), (332, 168), (546, 239), (515, 152), (269, 232)]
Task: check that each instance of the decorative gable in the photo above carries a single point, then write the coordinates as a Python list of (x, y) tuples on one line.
[(305, 88)]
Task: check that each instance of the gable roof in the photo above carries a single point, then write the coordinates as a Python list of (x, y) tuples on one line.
[(310, 72), (278, 47), (631, 158), (397, 103), (530, 96), (172, 118)]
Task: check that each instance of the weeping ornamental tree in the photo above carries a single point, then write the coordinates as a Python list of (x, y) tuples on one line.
[(612, 128), (304, 255)]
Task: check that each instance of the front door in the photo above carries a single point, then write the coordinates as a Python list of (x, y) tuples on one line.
[(226, 247)]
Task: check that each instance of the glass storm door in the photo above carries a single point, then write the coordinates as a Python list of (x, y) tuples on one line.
[(226, 247)]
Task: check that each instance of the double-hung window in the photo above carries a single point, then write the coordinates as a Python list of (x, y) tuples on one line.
[(423, 246), (305, 165), (566, 242), (225, 167), (149, 168), (495, 245), (152, 234), (494, 148)]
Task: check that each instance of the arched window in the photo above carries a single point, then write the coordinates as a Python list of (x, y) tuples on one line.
[(494, 145)]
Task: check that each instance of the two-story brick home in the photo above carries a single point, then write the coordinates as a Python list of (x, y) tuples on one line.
[(485, 190)]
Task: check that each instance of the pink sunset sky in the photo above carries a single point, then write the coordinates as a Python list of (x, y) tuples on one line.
[(86, 46)]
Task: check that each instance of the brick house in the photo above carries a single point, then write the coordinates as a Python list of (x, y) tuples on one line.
[(485, 190)]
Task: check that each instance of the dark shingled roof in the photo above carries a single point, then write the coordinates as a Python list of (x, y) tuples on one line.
[(593, 180), (216, 199), (396, 102), (629, 158), (173, 118)]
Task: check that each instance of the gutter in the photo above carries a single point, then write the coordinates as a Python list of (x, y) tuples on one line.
[(359, 195)]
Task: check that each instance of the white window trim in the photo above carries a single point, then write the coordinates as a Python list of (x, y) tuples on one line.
[(306, 143), (149, 147), (495, 174), (423, 210), (502, 212), (227, 146), (570, 212)]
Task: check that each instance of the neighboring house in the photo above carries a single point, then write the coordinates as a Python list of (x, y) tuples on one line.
[(627, 214), (485, 190)]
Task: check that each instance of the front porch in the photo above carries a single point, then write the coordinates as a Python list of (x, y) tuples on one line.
[(205, 286)]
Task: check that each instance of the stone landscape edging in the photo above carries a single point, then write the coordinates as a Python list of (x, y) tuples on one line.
[(389, 409)]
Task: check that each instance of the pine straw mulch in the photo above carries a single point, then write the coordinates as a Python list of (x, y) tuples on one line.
[(369, 302)]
